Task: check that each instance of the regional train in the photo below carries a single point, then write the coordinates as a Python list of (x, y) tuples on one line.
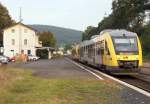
[(114, 51)]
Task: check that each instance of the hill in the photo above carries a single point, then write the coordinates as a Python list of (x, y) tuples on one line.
[(63, 35)]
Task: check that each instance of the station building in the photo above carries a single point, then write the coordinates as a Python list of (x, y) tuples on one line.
[(22, 39)]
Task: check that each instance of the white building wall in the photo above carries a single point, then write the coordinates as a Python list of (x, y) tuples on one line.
[(26, 33)]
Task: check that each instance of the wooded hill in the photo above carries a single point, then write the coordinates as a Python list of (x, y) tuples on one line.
[(63, 36)]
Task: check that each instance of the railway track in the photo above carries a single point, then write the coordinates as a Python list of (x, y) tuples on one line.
[(136, 81), (146, 67), (145, 71)]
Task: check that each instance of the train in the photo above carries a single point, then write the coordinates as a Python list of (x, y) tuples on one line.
[(115, 51)]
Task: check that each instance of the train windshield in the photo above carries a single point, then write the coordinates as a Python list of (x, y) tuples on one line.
[(125, 45)]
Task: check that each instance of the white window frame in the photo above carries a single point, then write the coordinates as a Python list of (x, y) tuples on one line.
[(25, 42), (13, 30), (13, 41)]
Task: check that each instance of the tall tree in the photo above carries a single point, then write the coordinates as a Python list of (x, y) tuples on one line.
[(48, 39), (128, 13), (145, 40), (5, 19), (90, 31), (106, 23)]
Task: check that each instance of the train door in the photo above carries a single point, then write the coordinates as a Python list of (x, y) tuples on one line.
[(90, 54), (99, 53), (102, 45), (107, 54), (94, 54), (101, 56)]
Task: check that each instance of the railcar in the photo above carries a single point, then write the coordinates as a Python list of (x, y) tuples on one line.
[(115, 51)]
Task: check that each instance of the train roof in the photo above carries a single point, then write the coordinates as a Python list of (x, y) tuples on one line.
[(89, 42), (112, 33), (119, 33)]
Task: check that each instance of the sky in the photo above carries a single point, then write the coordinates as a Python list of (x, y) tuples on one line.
[(74, 14)]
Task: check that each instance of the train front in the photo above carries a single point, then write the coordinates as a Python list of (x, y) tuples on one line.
[(128, 54)]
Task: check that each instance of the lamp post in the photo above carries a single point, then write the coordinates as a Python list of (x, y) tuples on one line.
[(20, 31)]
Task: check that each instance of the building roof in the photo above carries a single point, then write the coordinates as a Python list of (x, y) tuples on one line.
[(22, 25)]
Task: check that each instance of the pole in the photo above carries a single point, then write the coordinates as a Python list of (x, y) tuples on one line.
[(20, 38)]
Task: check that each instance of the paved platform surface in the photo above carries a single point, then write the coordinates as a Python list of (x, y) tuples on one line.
[(62, 68)]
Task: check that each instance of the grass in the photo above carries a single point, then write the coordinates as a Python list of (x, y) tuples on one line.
[(20, 87)]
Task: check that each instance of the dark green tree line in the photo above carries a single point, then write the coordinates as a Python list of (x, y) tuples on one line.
[(5, 20), (90, 31)]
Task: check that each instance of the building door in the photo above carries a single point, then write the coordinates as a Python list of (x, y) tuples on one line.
[(43, 54), (29, 52)]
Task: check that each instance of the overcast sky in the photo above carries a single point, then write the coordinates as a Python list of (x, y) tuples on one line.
[(75, 14)]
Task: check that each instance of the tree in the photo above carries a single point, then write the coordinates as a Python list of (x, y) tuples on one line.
[(106, 23), (90, 31), (5, 19), (128, 14), (145, 40), (48, 39)]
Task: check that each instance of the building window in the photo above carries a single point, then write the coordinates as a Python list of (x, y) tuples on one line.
[(13, 30), (12, 51), (25, 31), (13, 41), (25, 42), (29, 52), (22, 51)]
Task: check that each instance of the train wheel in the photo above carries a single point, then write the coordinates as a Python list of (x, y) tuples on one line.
[(98, 66), (103, 68)]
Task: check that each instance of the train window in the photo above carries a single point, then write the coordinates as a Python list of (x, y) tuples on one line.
[(108, 52), (99, 47), (101, 44), (125, 44), (99, 51), (102, 51), (81, 52), (91, 48)]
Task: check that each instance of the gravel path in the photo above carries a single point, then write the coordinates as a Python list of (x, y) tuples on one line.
[(56, 68)]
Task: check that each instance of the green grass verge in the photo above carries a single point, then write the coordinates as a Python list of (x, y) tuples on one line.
[(19, 87)]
